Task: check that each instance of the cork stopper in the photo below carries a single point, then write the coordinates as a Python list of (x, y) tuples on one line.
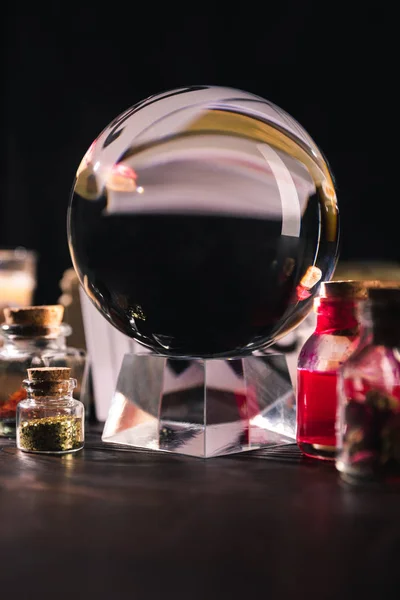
[(48, 381), (35, 316), (311, 277), (49, 374), (352, 289)]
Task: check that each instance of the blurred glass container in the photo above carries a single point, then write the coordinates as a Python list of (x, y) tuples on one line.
[(368, 420), (17, 277), (35, 337)]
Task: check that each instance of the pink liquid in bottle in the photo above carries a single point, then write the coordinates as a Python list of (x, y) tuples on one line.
[(316, 412)]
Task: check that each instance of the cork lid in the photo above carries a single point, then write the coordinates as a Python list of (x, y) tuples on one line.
[(49, 381), (311, 277), (50, 374), (352, 289), (35, 316)]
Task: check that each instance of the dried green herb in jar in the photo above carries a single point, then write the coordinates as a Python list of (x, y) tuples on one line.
[(50, 419), (51, 434)]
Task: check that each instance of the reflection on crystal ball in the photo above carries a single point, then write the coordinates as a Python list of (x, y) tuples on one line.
[(202, 222)]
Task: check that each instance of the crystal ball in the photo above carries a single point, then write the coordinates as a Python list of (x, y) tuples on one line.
[(202, 222)]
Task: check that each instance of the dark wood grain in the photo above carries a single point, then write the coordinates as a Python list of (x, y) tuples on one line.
[(116, 523)]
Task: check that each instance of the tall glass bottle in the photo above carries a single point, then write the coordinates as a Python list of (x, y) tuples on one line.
[(35, 337), (334, 339), (368, 421)]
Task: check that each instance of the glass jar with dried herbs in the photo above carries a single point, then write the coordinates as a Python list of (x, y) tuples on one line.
[(35, 336), (50, 420), (368, 421)]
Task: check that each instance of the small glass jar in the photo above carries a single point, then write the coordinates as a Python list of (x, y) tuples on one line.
[(50, 420), (334, 339), (368, 419), (35, 337)]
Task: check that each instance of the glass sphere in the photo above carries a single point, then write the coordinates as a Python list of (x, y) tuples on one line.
[(202, 221)]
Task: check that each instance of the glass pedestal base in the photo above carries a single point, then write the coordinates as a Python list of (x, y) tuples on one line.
[(202, 407)]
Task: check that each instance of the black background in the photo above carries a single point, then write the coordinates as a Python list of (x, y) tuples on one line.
[(69, 70)]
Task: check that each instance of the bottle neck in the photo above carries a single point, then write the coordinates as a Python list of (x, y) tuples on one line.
[(27, 339), (28, 345), (40, 390), (336, 317), (48, 399)]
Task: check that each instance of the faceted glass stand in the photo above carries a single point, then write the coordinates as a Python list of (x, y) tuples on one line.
[(202, 407)]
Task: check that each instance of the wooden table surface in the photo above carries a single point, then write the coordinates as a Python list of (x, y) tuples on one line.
[(116, 523)]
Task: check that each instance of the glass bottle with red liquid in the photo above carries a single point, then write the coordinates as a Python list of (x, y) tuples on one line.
[(333, 341), (368, 417)]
